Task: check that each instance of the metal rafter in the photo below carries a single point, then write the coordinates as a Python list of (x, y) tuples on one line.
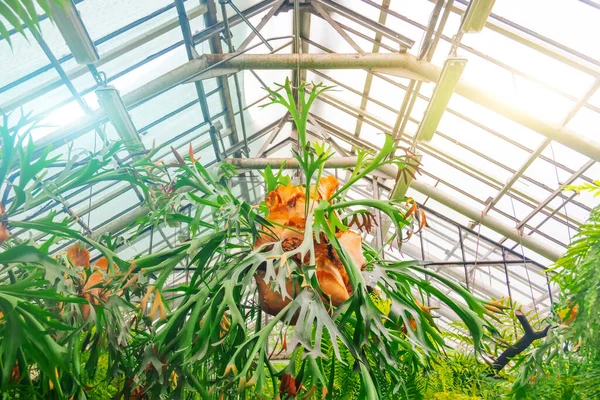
[(537, 42), (333, 23), (541, 148), (273, 11), (385, 5), (360, 19), (111, 55), (484, 56), (427, 149), (190, 50), (471, 121)]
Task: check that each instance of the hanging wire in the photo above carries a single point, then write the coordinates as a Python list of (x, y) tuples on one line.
[(564, 202), (534, 302), (535, 307), (474, 269)]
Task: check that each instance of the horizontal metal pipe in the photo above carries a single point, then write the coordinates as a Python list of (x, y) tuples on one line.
[(314, 61), (532, 243), (418, 69), (120, 223)]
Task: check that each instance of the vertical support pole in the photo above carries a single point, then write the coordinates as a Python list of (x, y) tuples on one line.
[(210, 19), (462, 250), (184, 24), (187, 257), (151, 239), (296, 78), (507, 276), (296, 43), (508, 287), (238, 91), (422, 246)]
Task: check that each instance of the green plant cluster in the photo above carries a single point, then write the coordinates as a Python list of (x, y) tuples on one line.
[(63, 336), (567, 362), (69, 329)]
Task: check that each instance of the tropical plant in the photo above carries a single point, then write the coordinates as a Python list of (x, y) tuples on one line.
[(52, 309), (21, 14), (571, 353), (510, 322), (458, 375), (296, 248), (285, 278)]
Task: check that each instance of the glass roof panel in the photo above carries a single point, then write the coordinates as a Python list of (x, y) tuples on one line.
[(473, 155), (532, 63), (595, 99), (25, 57), (118, 14), (577, 21)]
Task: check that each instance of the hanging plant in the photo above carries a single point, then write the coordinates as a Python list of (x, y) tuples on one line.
[(295, 258), (58, 315), (333, 304)]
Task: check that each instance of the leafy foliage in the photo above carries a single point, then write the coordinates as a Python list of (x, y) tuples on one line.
[(118, 324), (572, 348), (22, 14), (507, 328)]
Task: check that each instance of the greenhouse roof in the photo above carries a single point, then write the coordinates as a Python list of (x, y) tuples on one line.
[(522, 124)]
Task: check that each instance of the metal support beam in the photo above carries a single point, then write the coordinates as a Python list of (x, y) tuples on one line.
[(261, 24), (326, 136), (552, 131), (334, 24), (119, 51), (556, 192), (191, 69), (369, 80), (186, 31), (316, 60), (379, 232), (543, 146), (545, 250), (417, 69), (368, 23), (217, 27), (273, 136)]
